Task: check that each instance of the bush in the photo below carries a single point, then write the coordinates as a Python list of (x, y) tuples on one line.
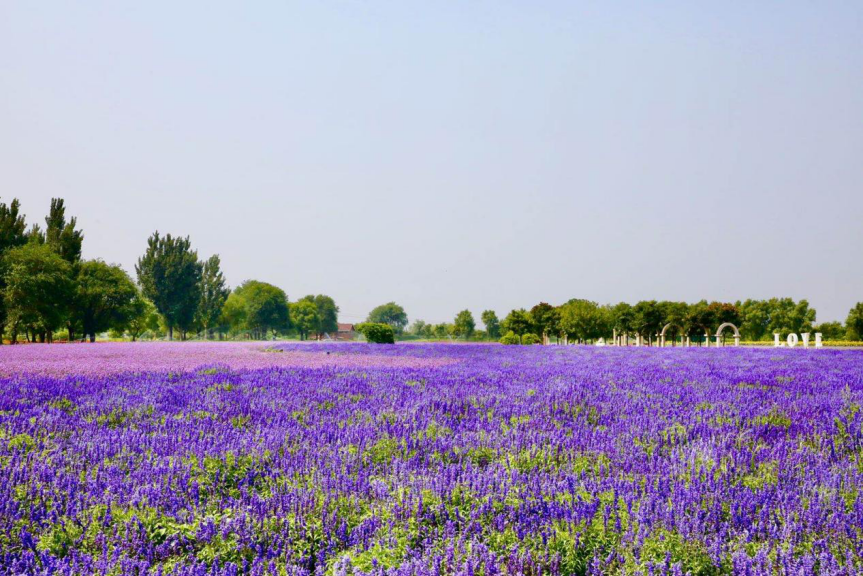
[(530, 339), (510, 338), (377, 333)]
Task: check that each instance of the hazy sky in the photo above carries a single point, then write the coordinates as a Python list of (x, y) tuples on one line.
[(451, 155)]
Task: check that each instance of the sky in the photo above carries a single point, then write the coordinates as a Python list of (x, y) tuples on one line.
[(452, 155)]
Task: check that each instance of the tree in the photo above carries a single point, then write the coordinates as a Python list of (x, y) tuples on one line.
[(103, 297), (38, 286), (12, 234), (389, 313), (673, 314), (787, 316), (854, 322), (464, 324), (492, 324), (327, 314), (170, 276), (442, 331), (142, 317), (517, 321), (754, 319), (418, 328), (304, 315), (214, 293), (266, 308), (546, 319), (621, 318), (510, 339), (12, 226), (647, 318), (61, 235), (699, 319), (831, 330), (583, 320), (377, 333), (233, 315)]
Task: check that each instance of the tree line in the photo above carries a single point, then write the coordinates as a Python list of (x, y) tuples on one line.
[(48, 290), (582, 320)]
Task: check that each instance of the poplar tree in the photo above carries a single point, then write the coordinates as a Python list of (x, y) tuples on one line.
[(170, 277)]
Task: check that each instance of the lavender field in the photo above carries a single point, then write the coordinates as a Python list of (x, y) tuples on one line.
[(429, 459)]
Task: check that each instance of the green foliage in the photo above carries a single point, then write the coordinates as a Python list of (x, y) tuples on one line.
[(831, 330), (142, 317), (170, 276), (760, 319), (389, 313), (12, 226), (464, 324), (12, 235), (854, 322), (320, 319), (647, 318), (420, 329), (304, 315), (61, 235), (545, 319), (104, 297), (23, 442), (376, 332), (328, 314), (233, 316), (583, 320), (530, 338), (38, 288), (214, 293), (510, 338), (517, 321), (492, 324), (265, 307)]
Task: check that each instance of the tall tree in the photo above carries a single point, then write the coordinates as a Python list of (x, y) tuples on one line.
[(418, 328), (518, 322), (12, 234), (61, 235), (142, 317), (831, 330), (327, 314), (304, 315), (492, 324), (754, 319), (104, 297), (854, 322), (647, 318), (266, 308), (389, 313), (464, 324), (787, 316), (170, 276), (233, 314), (583, 320), (38, 287), (214, 293), (546, 319), (13, 229), (622, 318)]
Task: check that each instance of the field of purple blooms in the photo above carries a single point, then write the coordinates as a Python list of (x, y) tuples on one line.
[(429, 459)]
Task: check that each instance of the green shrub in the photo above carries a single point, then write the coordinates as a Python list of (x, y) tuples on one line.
[(510, 338), (377, 333), (530, 339)]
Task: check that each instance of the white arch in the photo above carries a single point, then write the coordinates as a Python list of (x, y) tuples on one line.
[(723, 327), (727, 325)]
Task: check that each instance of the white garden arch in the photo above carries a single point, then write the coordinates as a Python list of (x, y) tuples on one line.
[(721, 328)]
